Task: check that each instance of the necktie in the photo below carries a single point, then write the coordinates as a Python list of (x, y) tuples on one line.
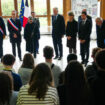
[(55, 18)]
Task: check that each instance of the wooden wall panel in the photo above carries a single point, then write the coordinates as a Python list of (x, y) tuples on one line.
[(16, 6), (102, 8), (32, 5), (66, 8), (48, 13)]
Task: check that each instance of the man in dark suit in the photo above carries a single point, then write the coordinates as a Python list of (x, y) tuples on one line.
[(100, 31), (84, 37), (2, 35), (88, 17), (14, 28), (58, 31), (36, 21)]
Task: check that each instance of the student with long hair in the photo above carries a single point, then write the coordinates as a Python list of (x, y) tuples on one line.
[(26, 68), (40, 90), (75, 90), (7, 95)]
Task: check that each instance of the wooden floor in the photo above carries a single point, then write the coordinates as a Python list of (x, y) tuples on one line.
[(45, 40)]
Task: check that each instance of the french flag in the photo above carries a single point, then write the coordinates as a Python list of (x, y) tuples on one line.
[(27, 13)]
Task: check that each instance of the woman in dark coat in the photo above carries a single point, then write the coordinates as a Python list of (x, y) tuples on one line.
[(75, 90), (31, 36), (71, 33)]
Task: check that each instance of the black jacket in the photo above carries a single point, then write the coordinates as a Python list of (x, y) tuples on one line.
[(91, 72), (11, 30), (98, 88), (84, 30), (89, 18), (58, 26), (2, 25), (100, 35), (31, 31), (72, 28), (75, 98)]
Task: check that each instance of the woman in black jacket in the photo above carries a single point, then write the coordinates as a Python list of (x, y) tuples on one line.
[(71, 33), (75, 90), (31, 32)]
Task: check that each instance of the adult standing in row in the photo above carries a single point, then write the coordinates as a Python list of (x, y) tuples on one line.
[(31, 36), (2, 35), (14, 28), (71, 33), (88, 17), (36, 21), (84, 37), (100, 31), (58, 31)]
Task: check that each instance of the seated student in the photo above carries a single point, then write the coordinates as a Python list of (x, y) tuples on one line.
[(8, 62), (70, 57), (91, 70), (7, 95), (2, 66), (75, 90), (98, 85), (40, 90), (26, 68), (48, 54)]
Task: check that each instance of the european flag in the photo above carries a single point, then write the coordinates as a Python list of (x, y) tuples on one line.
[(22, 12)]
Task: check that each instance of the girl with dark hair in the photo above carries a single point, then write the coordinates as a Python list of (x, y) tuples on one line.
[(75, 90), (40, 90), (26, 68), (7, 95)]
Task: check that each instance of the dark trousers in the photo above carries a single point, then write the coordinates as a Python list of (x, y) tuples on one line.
[(18, 44), (34, 42), (57, 42), (84, 49), (1, 48), (37, 46)]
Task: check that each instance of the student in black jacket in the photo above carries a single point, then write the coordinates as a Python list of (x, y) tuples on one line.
[(98, 85), (84, 37), (58, 31), (100, 31), (75, 90), (71, 33), (91, 70), (2, 35)]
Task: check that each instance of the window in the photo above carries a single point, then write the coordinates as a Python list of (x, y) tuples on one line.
[(43, 21), (90, 5), (58, 4), (7, 7), (40, 7)]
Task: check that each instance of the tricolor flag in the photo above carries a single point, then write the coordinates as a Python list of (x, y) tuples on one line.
[(26, 13), (22, 12)]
